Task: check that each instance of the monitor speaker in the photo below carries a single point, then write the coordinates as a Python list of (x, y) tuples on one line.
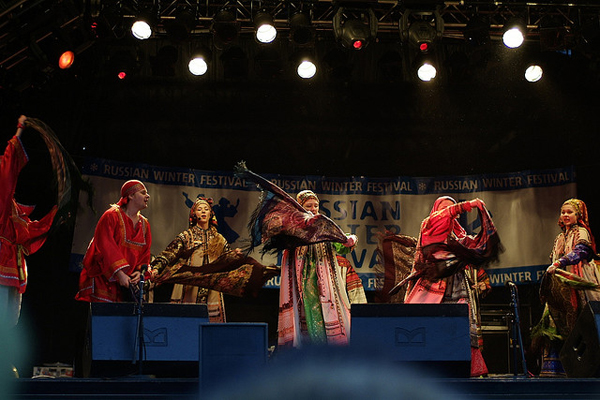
[(170, 345), (432, 336), (580, 353)]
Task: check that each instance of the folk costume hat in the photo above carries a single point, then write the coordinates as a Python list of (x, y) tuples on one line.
[(582, 217), (129, 188), (304, 195), (202, 200)]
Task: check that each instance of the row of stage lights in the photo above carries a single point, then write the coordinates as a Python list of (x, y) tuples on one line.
[(353, 33)]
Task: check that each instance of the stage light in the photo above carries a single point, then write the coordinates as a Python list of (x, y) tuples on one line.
[(264, 27), (301, 31), (123, 64), (198, 64), (142, 27), (426, 72), (534, 73), (354, 28), (307, 69), (303, 60), (66, 59), (141, 30), (225, 29), (423, 35), (514, 33)]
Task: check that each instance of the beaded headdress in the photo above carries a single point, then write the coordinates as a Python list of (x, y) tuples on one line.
[(304, 195)]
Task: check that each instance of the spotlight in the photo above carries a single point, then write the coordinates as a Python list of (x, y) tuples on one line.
[(301, 31), (66, 59), (306, 69), (356, 29), (142, 27), (423, 32), (225, 28), (533, 73), (426, 71), (514, 33), (122, 64), (264, 27), (303, 61), (198, 64)]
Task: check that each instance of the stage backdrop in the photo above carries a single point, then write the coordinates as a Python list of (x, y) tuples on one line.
[(524, 205)]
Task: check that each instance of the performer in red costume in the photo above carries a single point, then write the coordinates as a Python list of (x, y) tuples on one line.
[(19, 235), (118, 250)]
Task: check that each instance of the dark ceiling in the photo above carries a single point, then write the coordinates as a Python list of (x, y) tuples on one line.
[(364, 113)]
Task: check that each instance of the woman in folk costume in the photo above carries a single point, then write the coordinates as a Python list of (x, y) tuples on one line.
[(569, 283), (120, 247), (314, 304), (314, 307), (197, 246), (446, 264), (201, 264)]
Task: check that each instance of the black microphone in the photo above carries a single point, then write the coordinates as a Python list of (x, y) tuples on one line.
[(510, 284)]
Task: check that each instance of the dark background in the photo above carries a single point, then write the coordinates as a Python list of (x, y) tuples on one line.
[(361, 118)]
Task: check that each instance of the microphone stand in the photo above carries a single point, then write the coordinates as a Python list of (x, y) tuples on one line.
[(516, 337), (139, 336)]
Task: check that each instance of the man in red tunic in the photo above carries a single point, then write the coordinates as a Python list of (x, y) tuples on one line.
[(19, 236), (119, 248)]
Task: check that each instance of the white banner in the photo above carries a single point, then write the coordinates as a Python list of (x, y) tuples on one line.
[(524, 205)]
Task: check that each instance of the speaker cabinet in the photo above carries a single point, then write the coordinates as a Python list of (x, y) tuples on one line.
[(170, 346), (580, 354), (496, 350), (433, 336)]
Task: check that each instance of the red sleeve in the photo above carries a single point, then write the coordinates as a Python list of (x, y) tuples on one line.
[(107, 238), (11, 163)]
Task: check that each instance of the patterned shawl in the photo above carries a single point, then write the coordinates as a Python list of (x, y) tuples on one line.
[(63, 166), (395, 254), (458, 248), (231, 273), (280, 222)]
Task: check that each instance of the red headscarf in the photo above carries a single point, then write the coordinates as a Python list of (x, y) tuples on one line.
[(582, 217), (437, 226), (130, 187)]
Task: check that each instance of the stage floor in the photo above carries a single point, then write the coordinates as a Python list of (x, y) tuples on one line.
[(494, 387)]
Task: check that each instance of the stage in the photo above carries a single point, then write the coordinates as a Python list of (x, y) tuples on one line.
[(496, 387), (397, 351)]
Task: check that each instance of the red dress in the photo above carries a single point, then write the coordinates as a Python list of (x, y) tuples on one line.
[(117, 245), (19, 236)]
